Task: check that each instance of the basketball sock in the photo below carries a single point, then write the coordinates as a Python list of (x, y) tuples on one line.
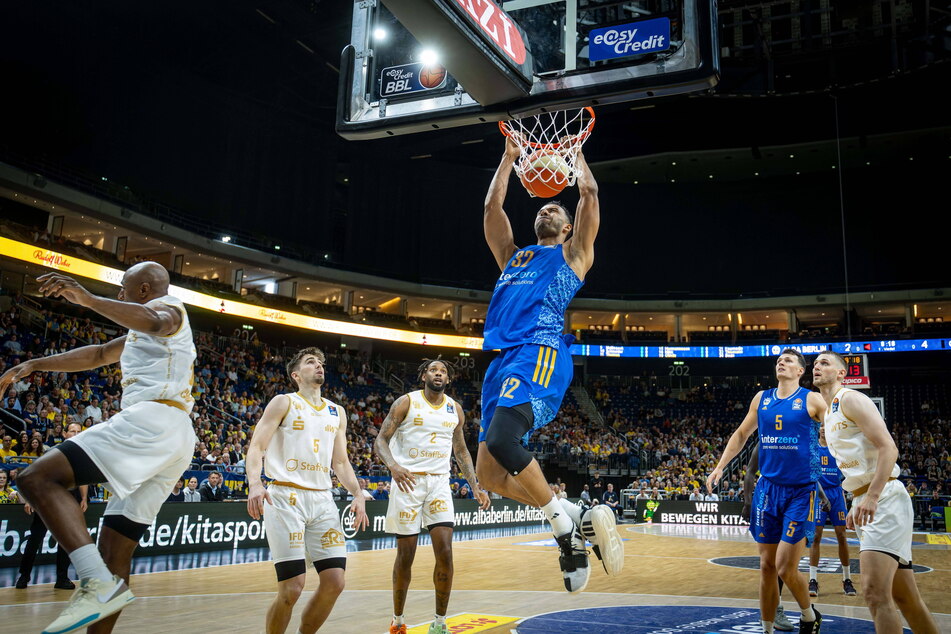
[(89, 564), (808, 615), (397, 619), (813, 572), (767, 627), (559, 520), (440, 619), (573, 510), (846, 572)]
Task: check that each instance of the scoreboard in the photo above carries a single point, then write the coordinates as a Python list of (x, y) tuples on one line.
[(856, 371)]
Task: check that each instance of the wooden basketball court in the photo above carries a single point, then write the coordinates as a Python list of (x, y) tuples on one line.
[(508, 576)]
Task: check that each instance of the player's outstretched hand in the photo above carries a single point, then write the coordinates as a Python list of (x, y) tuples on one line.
[(403, 477), (14, 374), (512, 149), (863, 513), (482, 498), (359, 509), (59, 285), (257, 494), (714, 479)]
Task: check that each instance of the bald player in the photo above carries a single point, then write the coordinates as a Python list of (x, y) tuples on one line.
[(139, 453)]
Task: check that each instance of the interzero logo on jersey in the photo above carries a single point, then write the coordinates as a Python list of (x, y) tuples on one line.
[(636, 38)]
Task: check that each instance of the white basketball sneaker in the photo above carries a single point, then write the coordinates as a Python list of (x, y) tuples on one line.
[(573, 560), (599, 526), (93, 601)]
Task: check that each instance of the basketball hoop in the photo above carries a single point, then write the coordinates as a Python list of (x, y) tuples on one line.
[(549, 144)]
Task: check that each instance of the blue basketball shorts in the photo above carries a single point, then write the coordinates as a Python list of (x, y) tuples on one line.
[(783, 513), (529, 373), (837, 507)]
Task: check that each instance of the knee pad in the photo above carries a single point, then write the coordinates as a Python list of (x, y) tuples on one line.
[(504, 437)]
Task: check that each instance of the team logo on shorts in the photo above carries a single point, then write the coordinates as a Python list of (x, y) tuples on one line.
[(797, 404), (438, 506), (331, 538), (408, 516)]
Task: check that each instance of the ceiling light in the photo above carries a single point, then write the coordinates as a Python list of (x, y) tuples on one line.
[(226, 238), (428, 57)]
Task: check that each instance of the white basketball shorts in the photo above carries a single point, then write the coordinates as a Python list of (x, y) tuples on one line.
[(429, 503), (142, 451), (890, 531), (302, 524)]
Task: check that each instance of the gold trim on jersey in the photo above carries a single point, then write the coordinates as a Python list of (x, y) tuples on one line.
[(180, 309), (862, 490), (544, 367), (435, 408), (175, 404), (323, 403), (281, 483)]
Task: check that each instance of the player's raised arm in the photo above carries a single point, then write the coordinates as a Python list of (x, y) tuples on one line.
[(587, 215), (404, 479), (736, 442), (75, 360), (270, 420), (498, 229), (160, 319)]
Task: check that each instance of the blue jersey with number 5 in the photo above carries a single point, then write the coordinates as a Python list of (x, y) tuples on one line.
[(789, 439), (530, 299)]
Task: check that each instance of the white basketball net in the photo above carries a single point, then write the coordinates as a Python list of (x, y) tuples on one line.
[(562, 133)]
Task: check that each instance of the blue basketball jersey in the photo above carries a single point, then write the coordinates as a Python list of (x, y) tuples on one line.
[(830, 475), (530, 298), (789, 439)]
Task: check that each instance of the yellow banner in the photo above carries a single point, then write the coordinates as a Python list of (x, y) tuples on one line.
[(82, 268), (468, 623), (939, 539)]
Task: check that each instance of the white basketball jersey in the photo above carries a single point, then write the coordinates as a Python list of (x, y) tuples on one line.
[(301, 450), (423, 443), (159, 368), (855, 455)]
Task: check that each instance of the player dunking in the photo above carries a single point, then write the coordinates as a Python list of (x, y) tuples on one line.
[(830, 481), (301, 437), (524, 386), (140, 453), (784, 502), (415, 442), (881, 512)]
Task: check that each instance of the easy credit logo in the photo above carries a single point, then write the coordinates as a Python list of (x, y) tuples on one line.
[(636, 38)]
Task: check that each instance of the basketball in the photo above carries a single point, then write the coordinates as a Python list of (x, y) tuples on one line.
[(544, 174), (432, 76)]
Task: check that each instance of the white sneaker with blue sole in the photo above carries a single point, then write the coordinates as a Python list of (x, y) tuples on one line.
[(93, 601)]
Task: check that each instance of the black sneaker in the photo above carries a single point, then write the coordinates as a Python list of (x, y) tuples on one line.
[(813, 588), (848, 587), (573, 560), (810, 627), (64, 584), (22, 582)]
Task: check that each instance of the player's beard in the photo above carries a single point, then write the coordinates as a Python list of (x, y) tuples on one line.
[(548, 229), (435, 388)]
